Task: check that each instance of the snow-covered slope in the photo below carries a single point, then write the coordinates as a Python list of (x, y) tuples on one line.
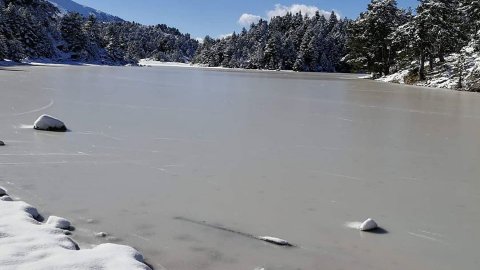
[(459, 68), (71, 6)]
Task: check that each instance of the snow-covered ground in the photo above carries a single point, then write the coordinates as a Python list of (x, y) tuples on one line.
[(26, 243), (46, 62), (447, 75), (153, 63)]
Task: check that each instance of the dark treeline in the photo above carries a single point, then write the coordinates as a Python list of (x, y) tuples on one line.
[(382, 40), (291, 42), (36, 29)]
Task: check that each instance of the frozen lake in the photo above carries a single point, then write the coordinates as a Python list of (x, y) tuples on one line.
[(289, 155)]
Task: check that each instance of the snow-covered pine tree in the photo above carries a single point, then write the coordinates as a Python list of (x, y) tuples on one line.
[(114, 47), (433, 32), (471, 15), (71, 28), (370, 43)]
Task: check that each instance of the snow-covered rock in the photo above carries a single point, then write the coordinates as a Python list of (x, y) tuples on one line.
[(274, 240), (3, 191), (49, 123), (368, 225), (2, 143), (27, 244), (101, 234), (58, 222), (6, 198)]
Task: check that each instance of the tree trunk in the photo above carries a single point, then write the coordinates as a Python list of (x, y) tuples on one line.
[(386, 70), (441, 57), (422, 66), (431, 61)]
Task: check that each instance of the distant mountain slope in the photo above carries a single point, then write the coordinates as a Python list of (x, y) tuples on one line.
[(70, 6)]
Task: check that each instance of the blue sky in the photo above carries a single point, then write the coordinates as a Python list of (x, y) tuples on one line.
[(215, 17)]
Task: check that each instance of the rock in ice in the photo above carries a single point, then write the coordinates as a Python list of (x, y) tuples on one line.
[(2, 143), (276, 241), (49, 123), (6, 198), (101, 234), (368, 225), (58, 222), (3, 191)]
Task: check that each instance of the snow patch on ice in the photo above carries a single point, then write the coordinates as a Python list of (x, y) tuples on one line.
[(353, 225)]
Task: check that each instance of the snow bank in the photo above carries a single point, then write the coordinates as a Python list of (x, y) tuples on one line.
[(28, 244), (49, 123), (398, 77)]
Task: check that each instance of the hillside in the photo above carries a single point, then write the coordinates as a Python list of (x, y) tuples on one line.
[(460, 71), (33, 29), (66, 6)]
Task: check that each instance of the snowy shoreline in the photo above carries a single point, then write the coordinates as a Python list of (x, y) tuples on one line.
[(28, 243), (443, 81), (444, 75)]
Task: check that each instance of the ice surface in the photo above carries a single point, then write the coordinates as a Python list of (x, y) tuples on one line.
[(264, 152)]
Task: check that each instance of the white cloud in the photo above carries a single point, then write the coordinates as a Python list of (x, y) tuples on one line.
[(225, 35), (247, 19), (199, 39), (281, 10)]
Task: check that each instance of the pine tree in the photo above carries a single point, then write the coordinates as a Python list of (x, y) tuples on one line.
[(71, 28), (471, 16), (371, 43)]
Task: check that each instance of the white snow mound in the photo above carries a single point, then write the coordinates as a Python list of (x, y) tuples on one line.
[(28, 244), (49, 123), (58, 222)]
